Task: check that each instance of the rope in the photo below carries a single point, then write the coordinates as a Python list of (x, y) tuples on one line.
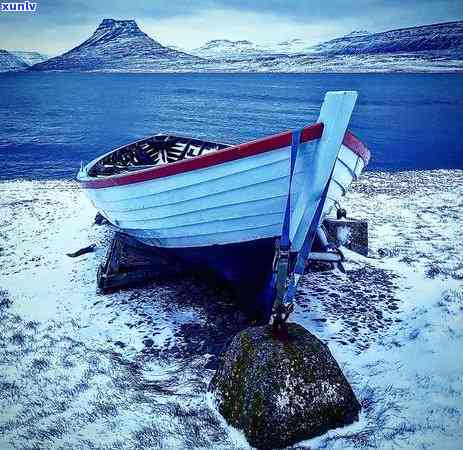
[(284, 246)]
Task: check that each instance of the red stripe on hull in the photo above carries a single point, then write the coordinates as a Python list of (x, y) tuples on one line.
[(354, 144), (235, 152), (245, 150)]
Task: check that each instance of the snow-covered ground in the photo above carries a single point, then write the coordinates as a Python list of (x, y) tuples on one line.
[(130, 370)]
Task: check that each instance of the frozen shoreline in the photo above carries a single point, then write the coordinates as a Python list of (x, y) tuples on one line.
[(131, 369)]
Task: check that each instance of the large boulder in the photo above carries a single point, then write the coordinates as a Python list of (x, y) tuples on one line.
[(281, 391)]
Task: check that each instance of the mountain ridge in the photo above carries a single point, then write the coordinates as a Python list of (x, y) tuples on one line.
[(434, 37), (121, 46)]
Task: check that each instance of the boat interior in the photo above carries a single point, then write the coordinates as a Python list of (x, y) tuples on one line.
[(152, 151)]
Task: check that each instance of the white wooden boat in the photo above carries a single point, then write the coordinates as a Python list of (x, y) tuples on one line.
[(209, 202)]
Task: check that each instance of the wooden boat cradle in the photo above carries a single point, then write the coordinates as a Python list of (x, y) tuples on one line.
[(129, 262), (154, 150)]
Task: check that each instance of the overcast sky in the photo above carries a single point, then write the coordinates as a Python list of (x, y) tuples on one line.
[(58, 26)]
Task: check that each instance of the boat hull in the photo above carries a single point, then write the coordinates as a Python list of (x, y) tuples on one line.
[(238, 201)]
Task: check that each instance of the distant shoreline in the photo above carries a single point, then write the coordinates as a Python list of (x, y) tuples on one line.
[(318, 72)]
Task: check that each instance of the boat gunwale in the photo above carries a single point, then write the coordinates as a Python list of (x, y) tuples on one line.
[(231, 153)]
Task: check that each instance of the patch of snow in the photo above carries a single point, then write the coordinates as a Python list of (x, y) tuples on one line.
[(343, 235), (223, 49)]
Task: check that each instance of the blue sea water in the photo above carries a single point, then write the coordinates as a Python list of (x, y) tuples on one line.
[(50, 122)]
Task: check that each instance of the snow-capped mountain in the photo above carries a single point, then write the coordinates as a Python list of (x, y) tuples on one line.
[(10, 62), (244, 49), (227, 49), (30, 58), (437, 37), (408, 47), (118, 45), (429, 48)]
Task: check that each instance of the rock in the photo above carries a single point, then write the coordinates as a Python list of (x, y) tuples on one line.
[(148, 342), (279, 392)]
